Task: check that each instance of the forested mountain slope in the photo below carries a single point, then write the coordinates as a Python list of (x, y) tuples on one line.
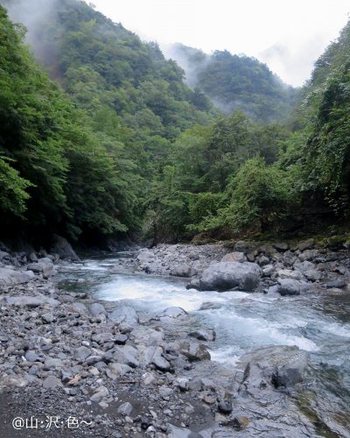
[(115, 142), (236, 82)]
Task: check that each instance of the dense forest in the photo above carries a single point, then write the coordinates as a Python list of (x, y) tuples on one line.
[(100, 136), (236, 82)]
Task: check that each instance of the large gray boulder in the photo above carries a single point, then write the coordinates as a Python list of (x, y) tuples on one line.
[(279, 366), (225, 276), (10, 277), (43, 266), (124, 314), (64, 249), (29, 301), (289, 286)]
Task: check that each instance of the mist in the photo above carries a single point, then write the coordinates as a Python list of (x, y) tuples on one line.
[(184, 56), (34, 14)]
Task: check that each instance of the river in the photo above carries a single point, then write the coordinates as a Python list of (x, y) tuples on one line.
[(243, 322)]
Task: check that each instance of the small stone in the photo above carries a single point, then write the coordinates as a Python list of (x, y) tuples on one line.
[(125, 409), (101, 392), (51, 382), (48, 318)]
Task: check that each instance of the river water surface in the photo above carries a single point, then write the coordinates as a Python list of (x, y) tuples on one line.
[(319, 324)]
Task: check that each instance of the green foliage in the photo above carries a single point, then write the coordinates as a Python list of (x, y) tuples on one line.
[(13, 190), (235, 82), (259, 196), (57, 174)]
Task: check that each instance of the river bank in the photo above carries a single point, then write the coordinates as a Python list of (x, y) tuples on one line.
[(67, 350)]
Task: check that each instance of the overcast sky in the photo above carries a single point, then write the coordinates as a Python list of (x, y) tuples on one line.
[(287, 35)]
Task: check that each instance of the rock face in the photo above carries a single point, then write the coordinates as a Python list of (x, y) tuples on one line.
[(64, 249), (280, 366), (225, 276)]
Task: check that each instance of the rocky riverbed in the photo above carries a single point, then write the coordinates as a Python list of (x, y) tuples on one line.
[(108, 369)]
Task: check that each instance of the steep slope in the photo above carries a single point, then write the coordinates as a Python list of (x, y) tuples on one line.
[(56, 174), (236, 82)]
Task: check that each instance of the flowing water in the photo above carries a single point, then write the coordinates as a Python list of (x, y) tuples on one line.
[(244, 322)]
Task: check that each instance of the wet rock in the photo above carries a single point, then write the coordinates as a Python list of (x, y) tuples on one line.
[(277, 366), (173, 312), (194, 284), (203, 335), (288, 286), (194, 352), (124, 314), (224, 276)]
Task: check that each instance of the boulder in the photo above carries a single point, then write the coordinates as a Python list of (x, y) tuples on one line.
[(125, 409), (147, 336), (97, 309), (24, 300), (289, 273), (124, 314), (99, 394), (194, 352), (116, 370), (306, 244), (279, 366), (64, 249), (203, 335), (224, 276), (235, 256), (173, 312), (181, 270), (154, 355), (43, 266), (288, 286), (4, 256), (10, 277), (126, 355), (281, 246)]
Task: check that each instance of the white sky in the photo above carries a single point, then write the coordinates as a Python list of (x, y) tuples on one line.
[(288, 35)]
